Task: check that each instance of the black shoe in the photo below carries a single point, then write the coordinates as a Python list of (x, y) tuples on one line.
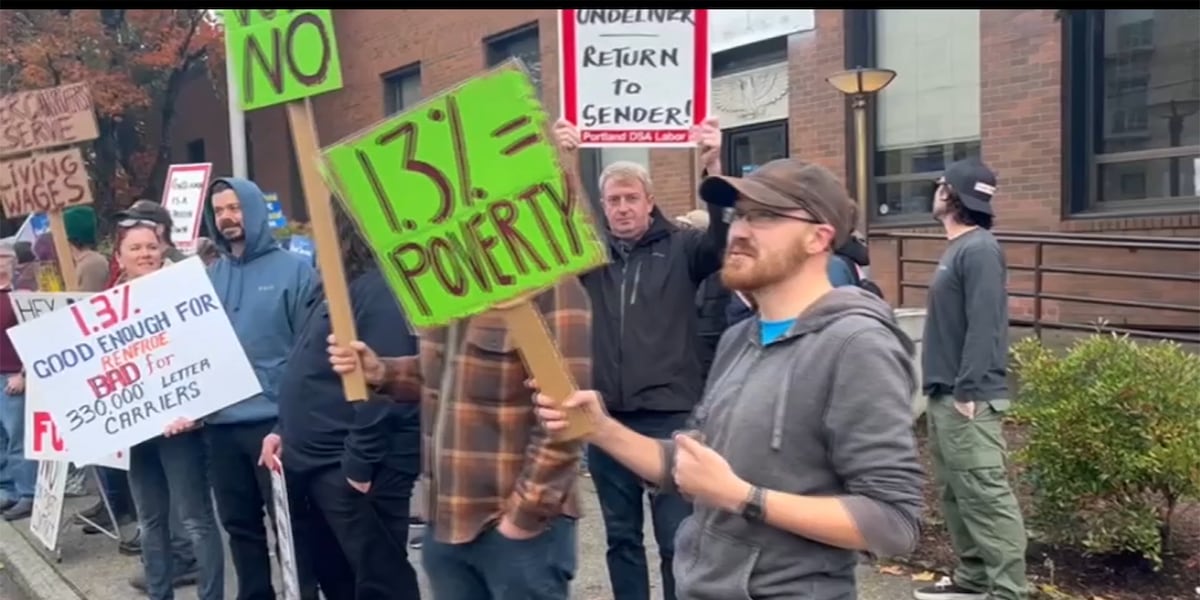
[(946, 589), (102, 520), (21, 510), (6, 504), (92, 512)]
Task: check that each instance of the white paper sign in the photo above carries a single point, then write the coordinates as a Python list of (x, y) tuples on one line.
[(634, 77), (283, 536), (134, 358), (42, 441), (183, 197), (48, 502)]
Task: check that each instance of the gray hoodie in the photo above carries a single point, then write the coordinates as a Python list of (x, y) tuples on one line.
[(823, 411)]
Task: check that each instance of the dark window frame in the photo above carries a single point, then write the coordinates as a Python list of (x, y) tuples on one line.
[(393, 81), (493, 54), (196, 151), (1083, 118), (727, 135)]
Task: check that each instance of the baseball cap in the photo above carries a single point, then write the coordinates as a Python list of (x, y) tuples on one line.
[(788, 184), (973, 182)]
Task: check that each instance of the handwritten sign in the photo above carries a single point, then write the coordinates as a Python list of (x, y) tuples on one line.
[(43, 183), (42, 441), (634, 77), (464, 201), (275, 217), (282, 55), (283, 535), (133, 358), (44, 118), (302, 245), (48, 495), (184, 197)]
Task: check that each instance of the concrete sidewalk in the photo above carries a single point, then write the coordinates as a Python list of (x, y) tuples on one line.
[(91, 568)]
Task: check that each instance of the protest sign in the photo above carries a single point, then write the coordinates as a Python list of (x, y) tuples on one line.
[(634, 77), (479, 211), (302, 245), (42, 441), (282, 55), (36, 119), (466, 206), (261, 44), (48, 495), (183, 197), (129, 360), (43, 183), (275, 216), (283, 535)]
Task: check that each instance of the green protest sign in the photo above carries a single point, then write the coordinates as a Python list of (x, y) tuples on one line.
[(281, 55), (463, 200)]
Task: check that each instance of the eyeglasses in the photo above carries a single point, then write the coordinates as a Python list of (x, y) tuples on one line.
[(127, 223), (763, 217)]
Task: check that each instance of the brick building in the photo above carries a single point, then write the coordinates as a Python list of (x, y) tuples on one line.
[(1090, 117)]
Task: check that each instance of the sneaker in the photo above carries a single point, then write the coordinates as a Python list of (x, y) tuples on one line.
[(6, 504), (946, 589), (102, 520), (21, 510), (92, 512), (131, 546), (137, 581), (416, 541)]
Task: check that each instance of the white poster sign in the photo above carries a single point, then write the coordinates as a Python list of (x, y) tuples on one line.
[(184, 196), (131, 359), (42, 441), (283, 535), (634, 77), (48, 502)]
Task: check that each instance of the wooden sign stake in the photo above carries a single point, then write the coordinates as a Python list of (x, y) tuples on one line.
[(544, 362), (62, 250), (329, 256)]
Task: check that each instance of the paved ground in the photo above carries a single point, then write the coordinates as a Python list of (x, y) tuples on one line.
[(8, 587), (91, 568)]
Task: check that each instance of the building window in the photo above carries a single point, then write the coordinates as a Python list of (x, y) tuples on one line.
[(195, 151), (522, 43), (1131, 98), (929, 116), (748, 148), (401, 89)]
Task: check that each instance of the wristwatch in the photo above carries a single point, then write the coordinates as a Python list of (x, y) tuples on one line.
[(753, 509)]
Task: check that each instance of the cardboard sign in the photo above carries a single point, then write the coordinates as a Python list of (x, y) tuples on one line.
[(42, 441), (131, 359), (464, 201), (44, 182), (45, 118), (634, 77), (183, 197), (48, 495), (283, 535), (275, 216), (282, 55)]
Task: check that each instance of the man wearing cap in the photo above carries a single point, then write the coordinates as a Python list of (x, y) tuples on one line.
[(796, 462), (965, 371), (643, 343)]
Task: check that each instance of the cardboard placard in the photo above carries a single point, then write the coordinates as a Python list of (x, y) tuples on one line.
[(44, 183), (184, 196), (282, 55), (45, 118), (634, 77)]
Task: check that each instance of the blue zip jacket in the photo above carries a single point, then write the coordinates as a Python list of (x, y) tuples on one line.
[(263, 292)]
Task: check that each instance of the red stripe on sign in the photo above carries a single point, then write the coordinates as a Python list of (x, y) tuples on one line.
[(702, 75), (570, 71)]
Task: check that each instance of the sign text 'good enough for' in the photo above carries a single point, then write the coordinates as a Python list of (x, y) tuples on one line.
[(463, 200)]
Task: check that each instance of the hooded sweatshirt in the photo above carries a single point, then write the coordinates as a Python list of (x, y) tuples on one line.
[(823, 410), (264, 292)]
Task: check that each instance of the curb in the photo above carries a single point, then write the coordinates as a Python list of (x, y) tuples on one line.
[(30, 570)]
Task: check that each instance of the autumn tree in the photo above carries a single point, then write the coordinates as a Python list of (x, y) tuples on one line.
[(136, 62)]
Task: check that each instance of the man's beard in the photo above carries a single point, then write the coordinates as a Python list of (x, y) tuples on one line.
[(238, 234), (756, 271)]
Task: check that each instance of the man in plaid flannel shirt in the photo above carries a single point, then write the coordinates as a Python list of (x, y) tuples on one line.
[(501, 493)]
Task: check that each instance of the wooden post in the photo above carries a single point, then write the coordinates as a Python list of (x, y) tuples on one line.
[(62, 250), (544, 362), (329, 256)]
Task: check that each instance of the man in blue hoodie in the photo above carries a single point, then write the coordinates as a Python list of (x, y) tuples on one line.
[(263, 289)]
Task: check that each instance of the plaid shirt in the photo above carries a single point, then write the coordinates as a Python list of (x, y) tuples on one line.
[(488, 456)]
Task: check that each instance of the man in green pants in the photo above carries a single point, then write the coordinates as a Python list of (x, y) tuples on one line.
[(965, 370)]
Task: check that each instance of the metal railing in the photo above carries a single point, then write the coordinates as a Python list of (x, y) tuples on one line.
[(1188, 250)]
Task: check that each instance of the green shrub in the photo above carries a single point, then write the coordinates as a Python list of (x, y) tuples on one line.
[(285, 233), (1114, 440)]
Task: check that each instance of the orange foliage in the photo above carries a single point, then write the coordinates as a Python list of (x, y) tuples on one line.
[(135, 62)]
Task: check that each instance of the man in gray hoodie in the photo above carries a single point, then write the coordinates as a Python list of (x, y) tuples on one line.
[(802, 451)]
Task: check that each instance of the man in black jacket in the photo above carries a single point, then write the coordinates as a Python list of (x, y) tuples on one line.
[(645, 363), (350, 466)]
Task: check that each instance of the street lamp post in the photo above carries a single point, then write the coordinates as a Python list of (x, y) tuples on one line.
[(858, 84)]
